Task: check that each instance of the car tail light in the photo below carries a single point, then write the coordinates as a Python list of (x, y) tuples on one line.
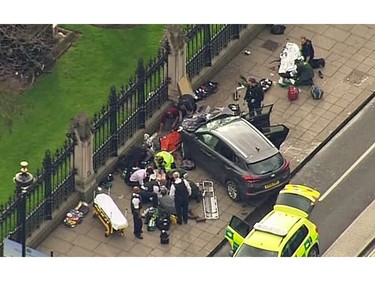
[(251, 178), (286, 165)]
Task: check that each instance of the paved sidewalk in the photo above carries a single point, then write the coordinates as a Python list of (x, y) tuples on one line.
[(349, 77)]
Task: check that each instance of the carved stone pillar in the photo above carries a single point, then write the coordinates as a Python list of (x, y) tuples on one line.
[(176, 59), (83, 155)]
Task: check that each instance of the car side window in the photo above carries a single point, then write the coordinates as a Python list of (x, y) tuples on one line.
[(209, 140), (225, 151), (295, 241), (286, 252), (240, 226)]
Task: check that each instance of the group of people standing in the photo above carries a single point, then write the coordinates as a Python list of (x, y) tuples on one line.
[(163, 182), (179, 191)]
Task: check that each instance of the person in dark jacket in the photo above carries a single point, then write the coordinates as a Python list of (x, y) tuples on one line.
[(166, 203), (136, 206), (307, 50), (169, 120), (180, 191), (254, 97), (148, 193), (305, 74), (187, 105)]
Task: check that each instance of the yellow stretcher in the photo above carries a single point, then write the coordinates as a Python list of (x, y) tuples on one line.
[(109, 214)]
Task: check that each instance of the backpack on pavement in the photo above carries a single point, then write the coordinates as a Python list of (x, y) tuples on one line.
[(317, 63), (316, 92), (164, 237), (277, 29), (266, 84), (293, 93)]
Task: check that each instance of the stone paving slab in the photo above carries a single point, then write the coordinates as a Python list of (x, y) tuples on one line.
[(349, 51)]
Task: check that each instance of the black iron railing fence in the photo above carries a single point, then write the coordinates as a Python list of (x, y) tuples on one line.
[(206, 41), (129, 108), (54, 182)]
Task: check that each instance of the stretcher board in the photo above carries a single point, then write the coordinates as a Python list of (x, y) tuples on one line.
[(210, 207), (109, 214), (184, 85)]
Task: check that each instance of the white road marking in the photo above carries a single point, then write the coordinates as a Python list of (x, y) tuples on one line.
[(347, 172)]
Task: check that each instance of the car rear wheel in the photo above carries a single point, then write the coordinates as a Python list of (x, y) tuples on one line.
[(314, 252), (233, 191)]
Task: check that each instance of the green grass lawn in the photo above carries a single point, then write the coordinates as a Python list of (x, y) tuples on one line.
[(80, 81)]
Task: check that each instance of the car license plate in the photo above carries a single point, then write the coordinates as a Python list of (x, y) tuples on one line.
[(272, 184)]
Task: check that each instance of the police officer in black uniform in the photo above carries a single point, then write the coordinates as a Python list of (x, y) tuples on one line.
[(180, 190), (136, 206)]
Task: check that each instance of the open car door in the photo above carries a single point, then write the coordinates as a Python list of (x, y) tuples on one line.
[(236, 232), (276, 134), (263, 119), (297, 199)]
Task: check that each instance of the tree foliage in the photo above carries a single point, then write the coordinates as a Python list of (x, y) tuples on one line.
[(25, 52)]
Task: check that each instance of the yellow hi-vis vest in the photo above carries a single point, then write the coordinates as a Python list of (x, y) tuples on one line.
[(168, 159)]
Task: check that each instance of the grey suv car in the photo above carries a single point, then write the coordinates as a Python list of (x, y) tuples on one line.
[(239, 155)]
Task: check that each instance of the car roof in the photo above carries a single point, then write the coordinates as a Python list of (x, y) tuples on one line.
[(271, 230), (246, 140)]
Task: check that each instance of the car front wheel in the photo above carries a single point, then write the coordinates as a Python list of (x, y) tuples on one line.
[(314, 252), (233, 191)]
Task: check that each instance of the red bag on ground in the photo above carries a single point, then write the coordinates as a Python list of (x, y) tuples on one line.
[(293, 93), (171, 142)]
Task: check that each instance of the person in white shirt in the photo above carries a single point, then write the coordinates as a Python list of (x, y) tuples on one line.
[(181, 191), (138, 177)]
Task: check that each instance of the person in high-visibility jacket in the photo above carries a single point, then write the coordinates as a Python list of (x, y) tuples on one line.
[(164, 160)]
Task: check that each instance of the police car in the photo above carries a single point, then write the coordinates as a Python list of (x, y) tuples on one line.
[(286, 231)]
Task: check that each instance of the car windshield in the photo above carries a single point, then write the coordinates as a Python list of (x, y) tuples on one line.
[(296, 201), (216, 123), (249, 251), (266, 166)]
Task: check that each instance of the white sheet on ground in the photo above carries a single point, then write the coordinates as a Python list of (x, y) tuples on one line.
[(289, 54)]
